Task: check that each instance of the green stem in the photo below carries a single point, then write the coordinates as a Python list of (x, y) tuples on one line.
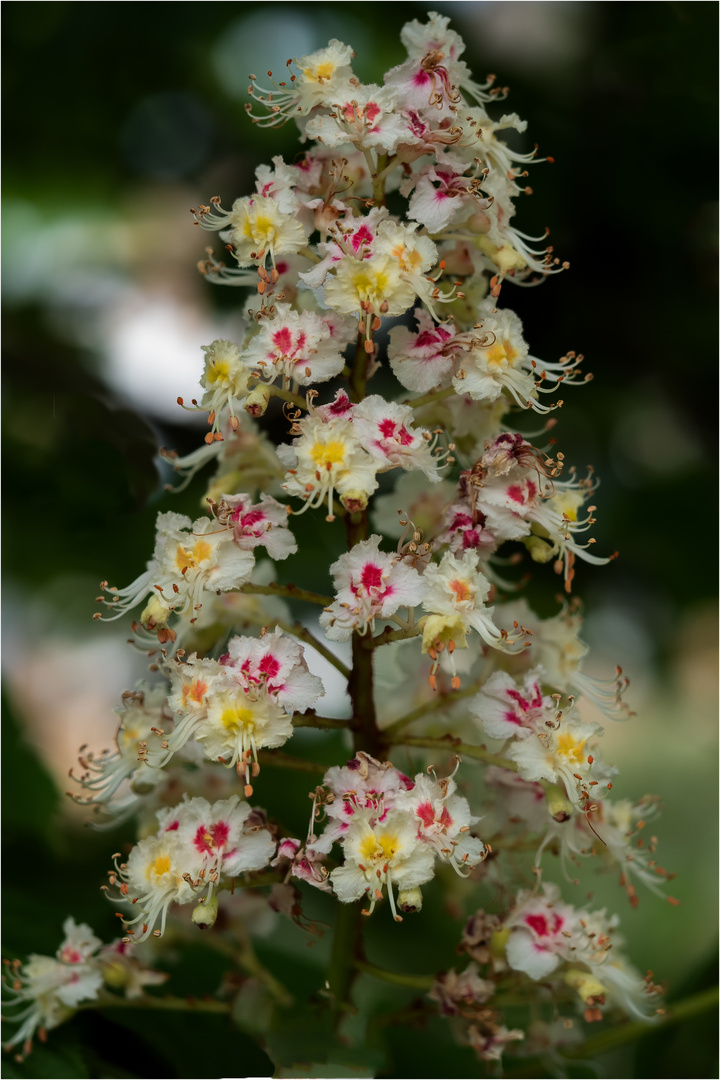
[(618, 1036), (448, 744), (291, 591), (309, 719), (169, 1003), (397, 635), (277, 391), (277, 759), (255, 882), (378, 173), (358, 375), (386, 166), (344, 948), (360, 688), (413, 982), (302, 632), (426, 399), (440, 701)]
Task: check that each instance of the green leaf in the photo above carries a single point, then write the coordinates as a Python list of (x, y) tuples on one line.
[(330, 1069), (253, 1008), (29, 798)]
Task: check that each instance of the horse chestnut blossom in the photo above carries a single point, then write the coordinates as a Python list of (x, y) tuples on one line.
[(369, 584), (382, 375)]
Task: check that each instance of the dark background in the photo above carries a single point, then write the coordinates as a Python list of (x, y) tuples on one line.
[(117, 118)]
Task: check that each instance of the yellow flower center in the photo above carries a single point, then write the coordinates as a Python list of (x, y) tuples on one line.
[(195, 691), (462, 589), (159, 866), (127, 736), (499, 353), (376, 848), (320, 72), (189, 560), (218, 371), (570, 749), (371, 283), (327, 454), (259, 227), (237, 718)]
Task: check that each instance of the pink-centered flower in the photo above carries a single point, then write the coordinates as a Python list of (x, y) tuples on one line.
[(369, 584), (543, 931)]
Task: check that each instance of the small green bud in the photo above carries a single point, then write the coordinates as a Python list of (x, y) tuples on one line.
[(256, 402), (205, 914), (587, 986), (115, 974), (498, 942), (410, 900), (540, 551), (559, 806)]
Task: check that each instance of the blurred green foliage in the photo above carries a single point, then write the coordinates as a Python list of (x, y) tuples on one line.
[(629, 116)]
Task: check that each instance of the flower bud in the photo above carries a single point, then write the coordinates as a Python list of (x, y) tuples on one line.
[(155, 613), (559, 806), (586, 985), (498, 942), (205, 914), (256, 402), (540, 550), (115, 974), (410, 900), (354, 501)]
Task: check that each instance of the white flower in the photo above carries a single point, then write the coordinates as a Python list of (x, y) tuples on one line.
[(441, 194), (257, 227), (274, 663), (386, 431), (509, 710), (369, 584), (563, 754), (387, 281), (305, 346), (328, 458), (242, 703), (50, 989), (364, 115), (443, 820), (198, 844), (381, 853), (191, 559), (455, 597), (419, 360), (375, 285), (543, 929), (363, 784), (223, 834), (143, 713), (226, 382), (262, 523), (320, 77), (558, 649)]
